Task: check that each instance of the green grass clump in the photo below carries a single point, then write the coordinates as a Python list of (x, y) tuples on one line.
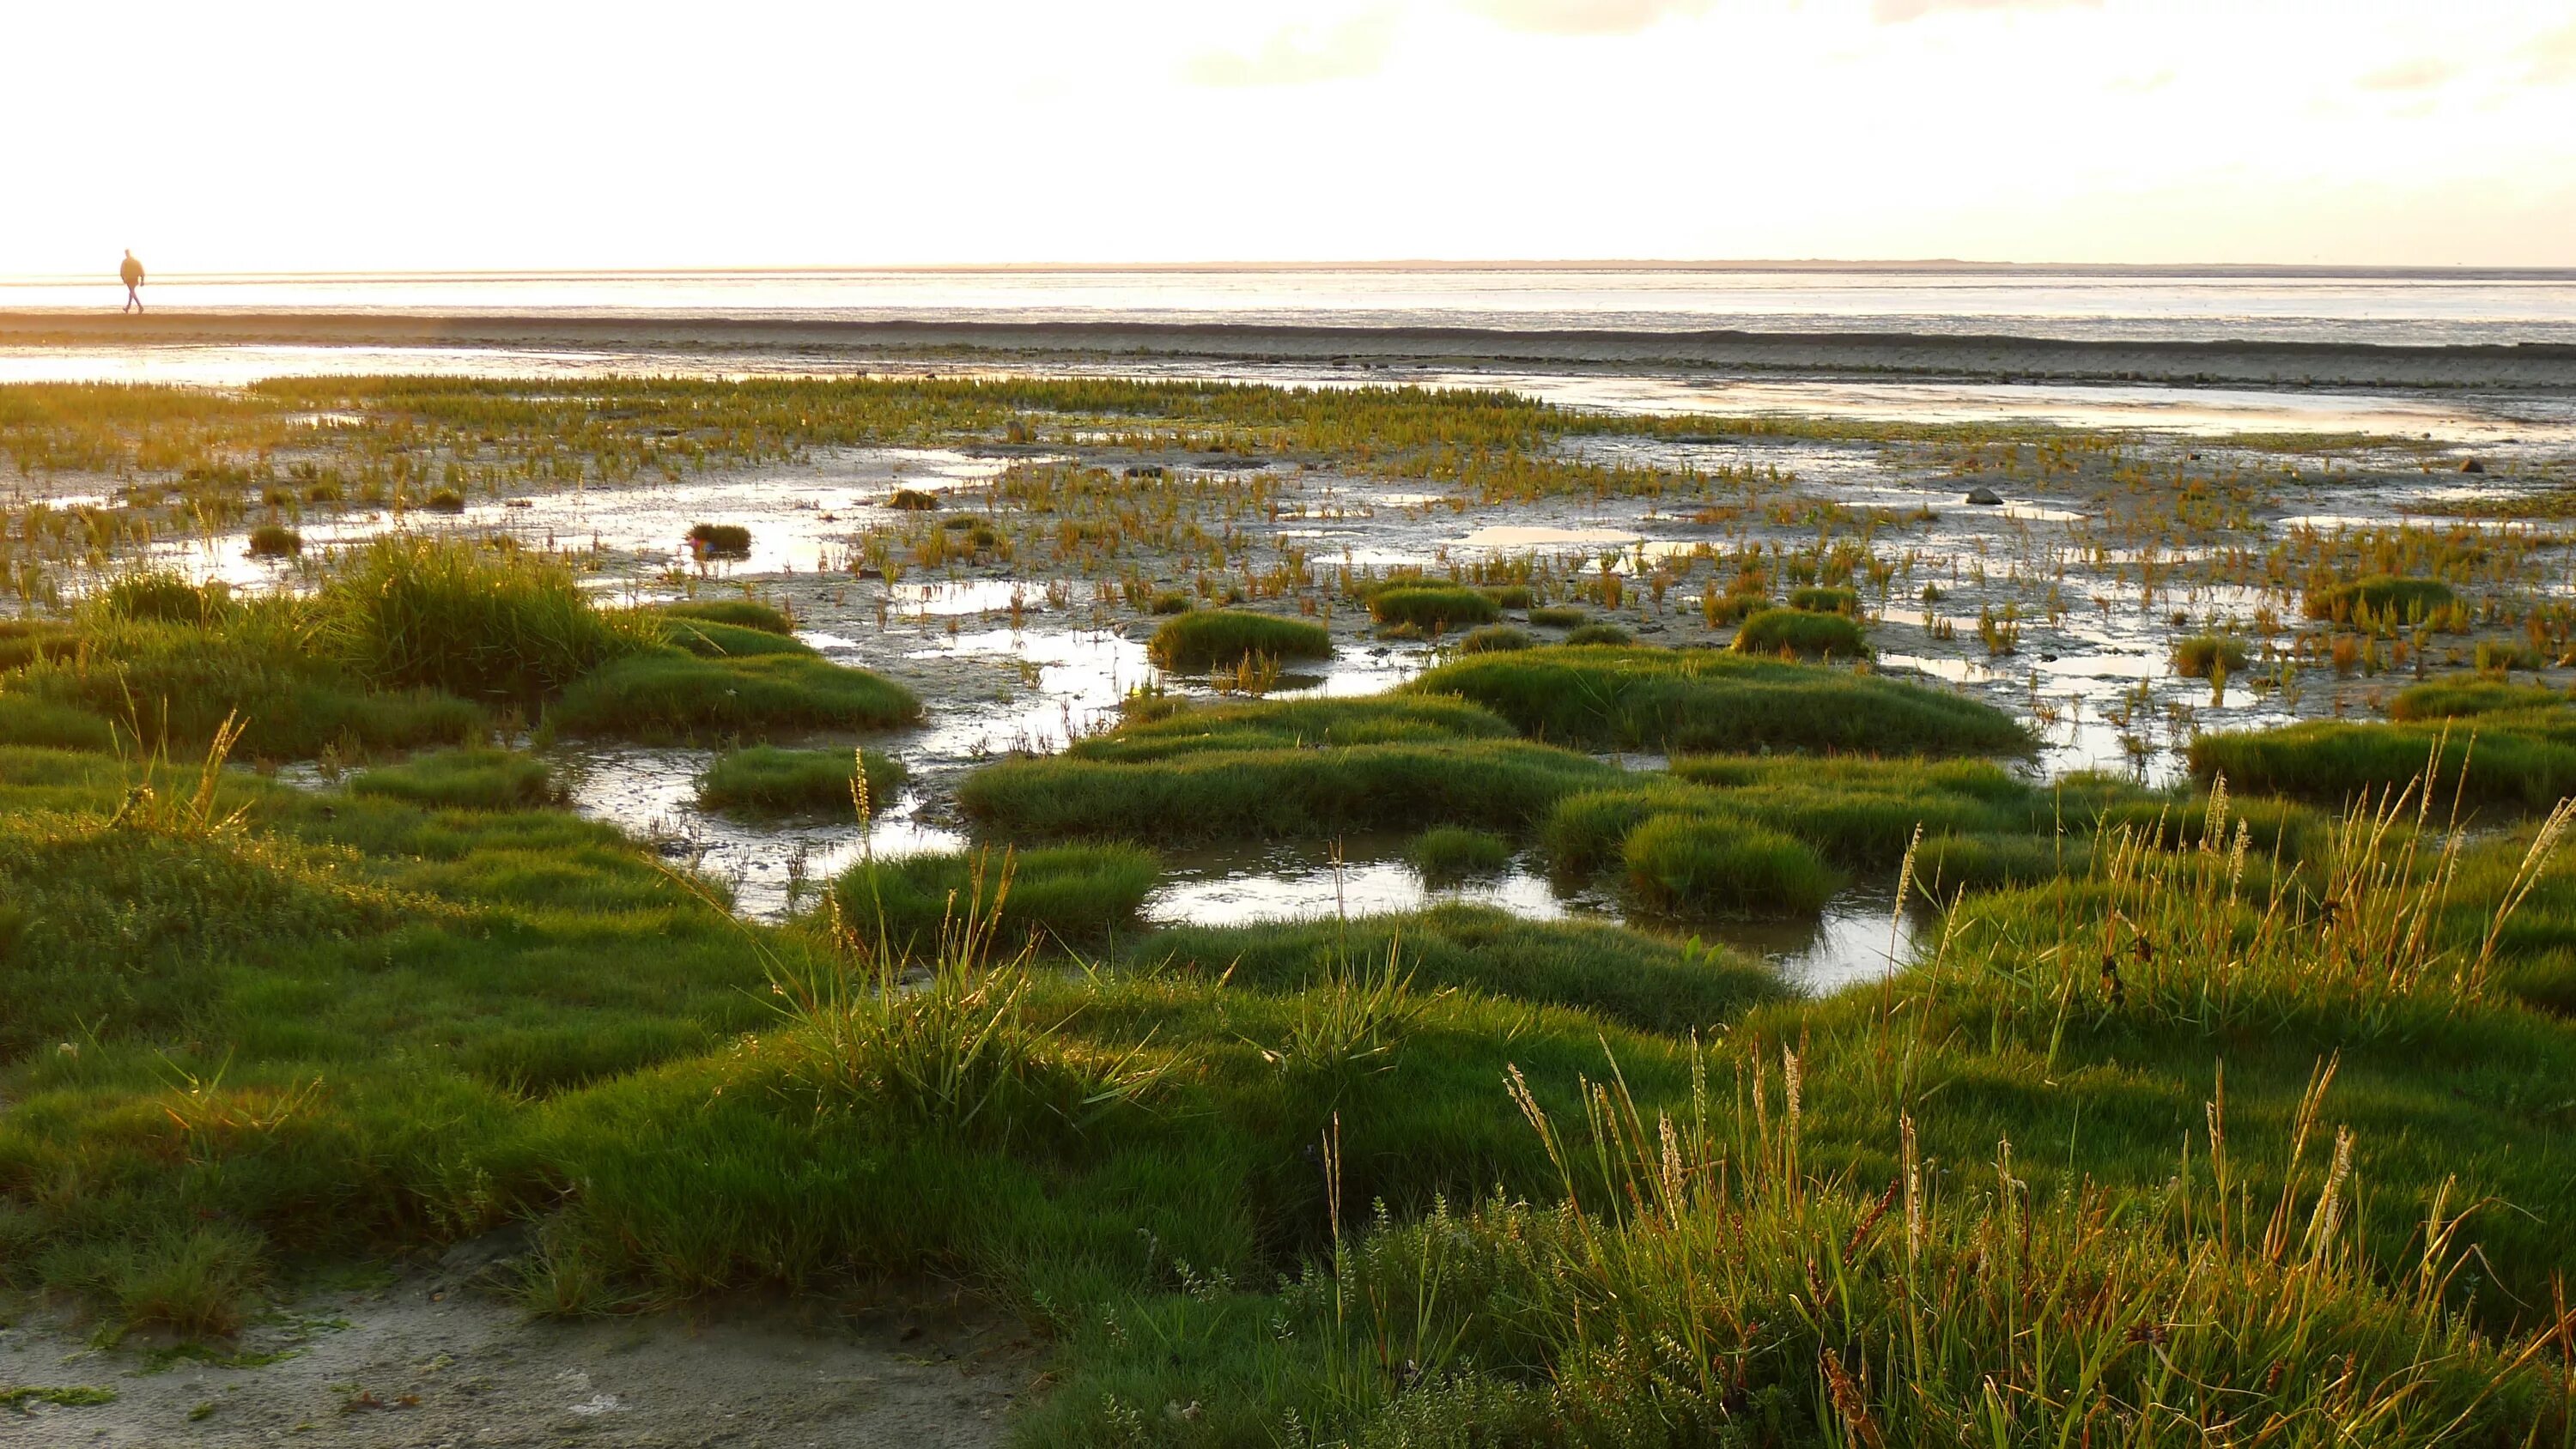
[(275, 540), (913, 500), (415, 613), (1705, 866), (1168, 602), (720, 540), (677, 696), (768, 780), (711, 640), (1825, 601), (740, 613), (164, 597), (1446, 853), (1701, 700), (471, 779), (1600, 634), (1209, 638), (1493, 638), (29, 719), (1071, 893), (2202, 655), (1431, 607), (1627, 976), (2463, 696), (1557, 616), (2514, 758), (445, 500), (1227, 794), (25, 641), (1509, 596), (1800, 632)]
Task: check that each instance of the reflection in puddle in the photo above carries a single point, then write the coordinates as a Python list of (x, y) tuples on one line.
[(1852, 940), (652, 795)]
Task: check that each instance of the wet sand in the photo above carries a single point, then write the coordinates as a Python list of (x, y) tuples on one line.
[(2517, 367)]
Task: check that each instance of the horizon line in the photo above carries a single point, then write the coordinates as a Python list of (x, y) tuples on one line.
[(1951, 265)]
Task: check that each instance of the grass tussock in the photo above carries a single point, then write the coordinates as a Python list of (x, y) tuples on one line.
[(2202, 656), (468, 779), (1684, 865), (1449, 853), (1707, 701), (740, 613), (1072, 893), (2463, 696), (1431, 608), (2380, 597), (676, 696), (2523, 759), (769, 780), (1209, 638), (1802, 633)]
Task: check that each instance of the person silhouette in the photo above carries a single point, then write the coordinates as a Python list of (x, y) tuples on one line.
[(132, 273)]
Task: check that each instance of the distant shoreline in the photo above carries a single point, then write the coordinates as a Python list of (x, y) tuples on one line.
[(2262, 364), (1930, 266)]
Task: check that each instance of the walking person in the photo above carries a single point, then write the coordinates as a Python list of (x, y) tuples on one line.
[(132, 273)]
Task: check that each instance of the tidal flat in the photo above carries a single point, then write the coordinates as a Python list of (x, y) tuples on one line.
[(1347, 913)]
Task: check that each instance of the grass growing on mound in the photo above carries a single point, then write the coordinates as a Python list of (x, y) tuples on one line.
[(2524, 758), (25, 641), (2202, 655), (768, 780), (1067, 893), (1700, 866), (675, 696), (1207, 638), (164, 597), (1557, 617), (1432, 607), (1446, 853), (1224, 794), (1707, 700), (711, 640), (1801, 632), (1493, 639), (1627, 976), (275, 540), (413, 613), (740, 613), (473, 779), (2463, 695), (1168, 729), (2381, 596), (1825, 601), (1613, 635), (26, 719)]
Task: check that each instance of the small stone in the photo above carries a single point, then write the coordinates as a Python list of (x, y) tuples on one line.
[(2473, 466), (1985, 497)]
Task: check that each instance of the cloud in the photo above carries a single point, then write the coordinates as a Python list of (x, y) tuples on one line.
[(1586, 17), (1296, 56), (2553, 57), (2411, 75), (1897, 12)]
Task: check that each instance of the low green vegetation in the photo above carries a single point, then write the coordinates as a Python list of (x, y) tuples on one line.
[(1701, 700), (1819, 600), (1432, 608), (1448, 853), (466, 779), (1256, 771), (740, 613), (2522, 759), (1704, 865), (2463, 696), (1614, 635), (673, 696), (1069, 893), (1209, 638), (769, 780), (1557, 616), (1803, 633), (1494, 638)]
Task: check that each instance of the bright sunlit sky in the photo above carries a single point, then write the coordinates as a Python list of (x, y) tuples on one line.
[(276, 135)]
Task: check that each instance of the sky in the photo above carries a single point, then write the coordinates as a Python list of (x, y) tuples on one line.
[(293, 135)]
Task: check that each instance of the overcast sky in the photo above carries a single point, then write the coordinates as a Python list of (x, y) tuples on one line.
[(284, 135)]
